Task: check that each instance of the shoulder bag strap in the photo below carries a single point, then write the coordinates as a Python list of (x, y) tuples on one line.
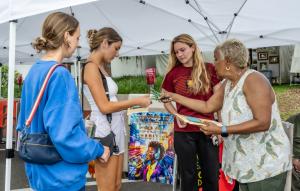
[(104, 81), (40, 95), (82, 83)]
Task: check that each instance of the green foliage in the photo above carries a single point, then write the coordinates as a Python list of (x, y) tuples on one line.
[(136, 84), (4, 83)]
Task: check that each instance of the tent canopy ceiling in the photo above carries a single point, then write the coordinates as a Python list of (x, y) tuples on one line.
[(16, 9), (148, 26)]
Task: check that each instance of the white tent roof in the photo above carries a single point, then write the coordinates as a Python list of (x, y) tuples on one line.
[(147, 26), (15, 9)]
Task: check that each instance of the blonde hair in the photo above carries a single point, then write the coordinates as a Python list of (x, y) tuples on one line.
[(235, 52), (199, 76), (96, 37), (54, 28)]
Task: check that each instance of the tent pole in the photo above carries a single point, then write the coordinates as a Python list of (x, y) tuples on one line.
[(75, 73), (78, 71), (10, 103), (0, 80), (175, 168), (208, 22)]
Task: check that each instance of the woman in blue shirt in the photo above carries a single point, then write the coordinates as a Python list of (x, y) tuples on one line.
[(59, 113)]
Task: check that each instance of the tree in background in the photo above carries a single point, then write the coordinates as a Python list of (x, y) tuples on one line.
[(4, 82)]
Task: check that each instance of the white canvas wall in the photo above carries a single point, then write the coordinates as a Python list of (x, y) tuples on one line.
[(285, 54), (295, 67)]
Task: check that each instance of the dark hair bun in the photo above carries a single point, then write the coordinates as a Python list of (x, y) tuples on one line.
[(40, 44), (91, 33)]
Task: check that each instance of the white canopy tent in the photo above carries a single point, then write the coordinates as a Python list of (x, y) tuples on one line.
[(147, 27)]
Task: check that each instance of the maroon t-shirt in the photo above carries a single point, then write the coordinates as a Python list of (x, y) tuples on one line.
[(177, 81)]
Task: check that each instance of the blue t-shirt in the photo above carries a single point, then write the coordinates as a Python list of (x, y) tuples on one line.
[(59, 114)]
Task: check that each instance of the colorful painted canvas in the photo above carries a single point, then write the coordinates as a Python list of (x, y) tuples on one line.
[(151, 151)]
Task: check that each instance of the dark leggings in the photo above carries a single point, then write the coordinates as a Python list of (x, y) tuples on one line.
[(187, 146)]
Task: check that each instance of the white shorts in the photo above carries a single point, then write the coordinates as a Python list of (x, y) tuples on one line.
[(117, 126)]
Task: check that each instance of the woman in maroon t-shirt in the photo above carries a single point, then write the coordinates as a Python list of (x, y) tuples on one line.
[(189, 76)]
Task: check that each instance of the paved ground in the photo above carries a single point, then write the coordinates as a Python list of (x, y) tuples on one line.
[(19, 181)]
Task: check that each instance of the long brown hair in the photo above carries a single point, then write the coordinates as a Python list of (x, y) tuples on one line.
[(96, 37), (199, 76), (54, 28)]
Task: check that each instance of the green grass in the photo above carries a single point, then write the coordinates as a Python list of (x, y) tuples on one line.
[(136, 84), (283, 88), (288, 100)]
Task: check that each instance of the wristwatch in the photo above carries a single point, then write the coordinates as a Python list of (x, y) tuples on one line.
[(224, 132)]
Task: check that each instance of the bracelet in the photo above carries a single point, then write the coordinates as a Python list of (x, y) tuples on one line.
[(224, 132)]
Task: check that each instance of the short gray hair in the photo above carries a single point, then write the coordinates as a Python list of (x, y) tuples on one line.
[(234, 51)]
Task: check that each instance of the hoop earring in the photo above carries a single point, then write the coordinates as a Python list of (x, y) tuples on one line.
[(227, 68)]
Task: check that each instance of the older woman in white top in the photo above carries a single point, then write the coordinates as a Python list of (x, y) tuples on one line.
[(256, 148)]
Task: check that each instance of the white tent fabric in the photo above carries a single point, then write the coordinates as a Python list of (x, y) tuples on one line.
[(128, 66), (15, 9), (295, 67), (285, 55), (161, 64), (148, 26)]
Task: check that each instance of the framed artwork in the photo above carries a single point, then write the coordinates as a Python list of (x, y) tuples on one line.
[(273, 59), (262, 56), (263, 66)]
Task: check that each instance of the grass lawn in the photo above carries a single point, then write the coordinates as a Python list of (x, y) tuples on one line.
[(136, 84), (288, 97)]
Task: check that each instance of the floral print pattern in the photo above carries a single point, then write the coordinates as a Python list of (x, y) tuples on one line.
[(255, 156)]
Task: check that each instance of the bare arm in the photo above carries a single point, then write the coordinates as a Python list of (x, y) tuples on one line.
[(214, 103), (216, 87), (169, 106), (260, 97), (94, 81), (171, 109)]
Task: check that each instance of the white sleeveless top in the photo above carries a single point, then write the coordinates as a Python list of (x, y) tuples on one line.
[(102, 125), (255, 156)]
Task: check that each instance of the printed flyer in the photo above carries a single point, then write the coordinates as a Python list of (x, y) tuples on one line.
[(151, 151)]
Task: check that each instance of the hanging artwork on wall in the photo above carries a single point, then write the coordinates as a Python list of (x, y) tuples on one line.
[(262, 56), (263, 66), (273, 59)]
